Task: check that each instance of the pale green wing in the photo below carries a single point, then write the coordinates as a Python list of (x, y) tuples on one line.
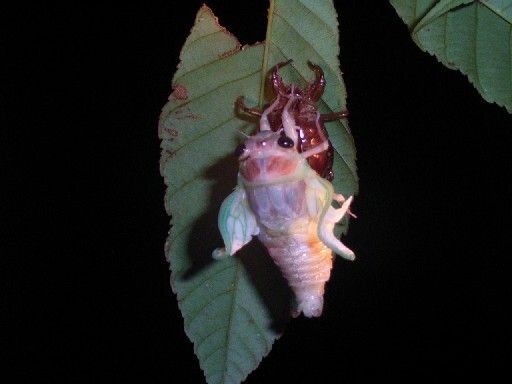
[(237, 223), (318, 195)]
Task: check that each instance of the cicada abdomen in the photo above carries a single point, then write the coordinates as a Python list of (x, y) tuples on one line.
[(284, 196)]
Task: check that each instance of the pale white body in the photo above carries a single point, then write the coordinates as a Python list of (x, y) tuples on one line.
[(286, 204), (288, 229)]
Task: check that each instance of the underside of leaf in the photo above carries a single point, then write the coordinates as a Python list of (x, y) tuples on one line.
[(474, 37), (234, 309)]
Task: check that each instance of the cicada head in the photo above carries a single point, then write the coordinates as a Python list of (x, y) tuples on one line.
[(269, 157)]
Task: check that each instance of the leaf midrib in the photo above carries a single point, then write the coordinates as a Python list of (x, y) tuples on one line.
[(229, 330), (264, 63)]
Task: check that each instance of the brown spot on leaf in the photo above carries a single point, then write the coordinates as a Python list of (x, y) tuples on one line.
[(184, 113), (180, 92), (229, 53), (171, 133), (170, 153)]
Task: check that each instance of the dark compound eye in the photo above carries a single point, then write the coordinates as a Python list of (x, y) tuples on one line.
[(285, 142), (239, 151)]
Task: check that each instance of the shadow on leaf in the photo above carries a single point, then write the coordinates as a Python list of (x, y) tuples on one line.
[(205, 237), (269, 282)]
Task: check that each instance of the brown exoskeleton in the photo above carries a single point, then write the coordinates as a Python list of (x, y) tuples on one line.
[(302, 107)]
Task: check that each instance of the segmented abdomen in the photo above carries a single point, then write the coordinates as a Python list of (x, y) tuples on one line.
[(306, 264), (290, 236)]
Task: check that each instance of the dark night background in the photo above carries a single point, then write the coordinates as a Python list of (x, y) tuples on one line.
[(87, 294)]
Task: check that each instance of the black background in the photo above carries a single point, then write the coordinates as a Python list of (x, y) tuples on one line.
[(87, 292)]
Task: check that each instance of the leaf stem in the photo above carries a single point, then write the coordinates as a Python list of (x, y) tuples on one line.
[(264, 63)]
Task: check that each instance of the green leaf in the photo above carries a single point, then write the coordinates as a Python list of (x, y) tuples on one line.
[(234, 309), (474, 37)]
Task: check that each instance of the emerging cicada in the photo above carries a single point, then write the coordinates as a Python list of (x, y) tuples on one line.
[(284, 195)]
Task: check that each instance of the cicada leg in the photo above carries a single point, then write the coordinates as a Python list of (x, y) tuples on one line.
[(277, 81), (316, 89), (333, 116), (323, 146), (240, 105), (332, 216), (264, 123), (289, 125)]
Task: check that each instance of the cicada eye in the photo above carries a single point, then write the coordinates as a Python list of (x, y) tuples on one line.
[(285, 142), (240, 150)]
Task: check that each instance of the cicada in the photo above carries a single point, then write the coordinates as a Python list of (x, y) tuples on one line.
[(284, 195)]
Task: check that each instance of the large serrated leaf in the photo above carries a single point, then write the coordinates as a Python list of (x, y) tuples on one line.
[(472, 36), (233, 308)]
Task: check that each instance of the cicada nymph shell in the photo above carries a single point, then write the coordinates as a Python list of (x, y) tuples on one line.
[(284, 195), (304, 111)]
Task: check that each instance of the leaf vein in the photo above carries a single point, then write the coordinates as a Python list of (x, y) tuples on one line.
[(499, 12), (235, 365), (255, 324), (205, 338), (230, 321), (247, 347), (197, 312), (220, 86), (294, 29), (199, 284), (264, 61), (211, 354), (180, 232), (202, 37), (309, 10), (182, 186), (210, 130), (220, 58)]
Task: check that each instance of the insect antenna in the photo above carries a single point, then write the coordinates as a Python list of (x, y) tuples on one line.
[(243, 134)]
